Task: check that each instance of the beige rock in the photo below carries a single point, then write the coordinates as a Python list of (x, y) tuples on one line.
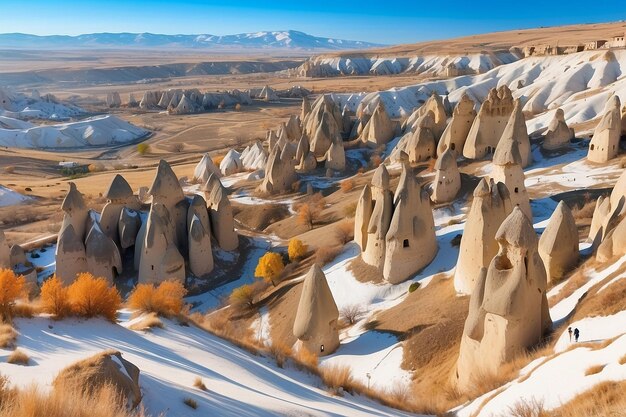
[(315, 120), (455, 133), (362, 216), (292, 128), (558, 134), (380, 219), (316, 318), (221, 216), (614, 244), (70, 256), (435, 105), (128, 227), (160, 259), (604, 144), (490, 206), (119, 195), (507, 168), (113, 99), (205, 168), (380, 129), (489, 124), (411, 243), (149, 100), (231, 163), (306, 109), (516, 130), (327, 131), (279, 172), (5, 252), (166, 190), (200, 255), (447, 181), (558, 244), (420, 145), (103, 256), (508, 307), (254, 157), (76, 212), (336, 157)]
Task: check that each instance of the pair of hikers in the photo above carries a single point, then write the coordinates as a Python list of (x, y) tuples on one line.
[(576, 333)]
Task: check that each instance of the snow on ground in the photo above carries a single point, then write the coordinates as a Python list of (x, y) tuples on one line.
[(239, 383), (9, 197), (19, 106), (594, 329), (579, 83), (94, 131)]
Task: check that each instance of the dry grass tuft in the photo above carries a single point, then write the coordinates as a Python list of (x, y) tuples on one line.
[(325, 254), (54, 298), (18, 357), (338, 378), (344, 231), (347, 185), (26, 310), (306, 358), (7, 335), (190, 402), (281, 353), (150, 321), (584, 211), (198, 383), (595, 369), (91, 297), (622, 360)]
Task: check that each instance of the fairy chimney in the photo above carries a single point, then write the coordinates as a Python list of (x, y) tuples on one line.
[(166, 190), (558, 134), (410, 242), (364, 209), (70, 256), (316, 318), (447, 181), (380, 129), (516, 130), (489, 124), (128, 227), (292, 128), (507, 168), (221, 216), (231, 163), (103, 256), (490, 206), (455, 134), (604, 144), (76, 212), (5, 252), (558, 244), (508, 307), (200, 255), (336, 157), (420, 145), (279, 172), (614, 245), (435, 105), (306, 109), (205, 168), (380, 219), (119, 195)]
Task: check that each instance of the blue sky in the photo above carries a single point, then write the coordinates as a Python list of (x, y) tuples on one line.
[(398, 21)]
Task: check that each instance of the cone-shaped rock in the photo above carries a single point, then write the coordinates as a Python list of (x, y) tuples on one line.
[(70, 255), (380, 129), (447, 181), (364, 209), (456, 131), (516, 130), (205, 168), (103, 257), (420, 145), (604, 144), (558, 245), (558, 134)]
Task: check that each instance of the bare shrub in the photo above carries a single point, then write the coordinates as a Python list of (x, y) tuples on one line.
[(7, 335), (198, 383), (351, 314), (150, 321), (18, 357), (164, 300), (54, 298), (347, 185), (91, 297), (337, 378), (190, 402), (325, 254), (344, 231)]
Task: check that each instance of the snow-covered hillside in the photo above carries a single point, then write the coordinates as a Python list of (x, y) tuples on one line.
[(287, 39), (238, 383), (327, 66), (94, 131), (34, 106), (579, 83), (9, 197)]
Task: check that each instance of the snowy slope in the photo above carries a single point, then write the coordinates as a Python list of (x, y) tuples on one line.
[(19, 105), (325, 66), (94, 131), (239, 383), (8, 197), (287, 39), (579, 83)]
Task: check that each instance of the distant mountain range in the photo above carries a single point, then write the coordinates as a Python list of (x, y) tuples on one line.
[(289, 39)]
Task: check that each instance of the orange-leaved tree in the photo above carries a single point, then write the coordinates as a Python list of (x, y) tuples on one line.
[(54, 298), (296, 249), (12, 288), (270, 267), (90, 297), (165, 300)]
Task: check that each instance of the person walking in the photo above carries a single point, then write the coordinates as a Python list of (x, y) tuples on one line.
[(576, 334), (569, 330)]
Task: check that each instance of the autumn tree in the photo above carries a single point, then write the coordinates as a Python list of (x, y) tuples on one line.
[(54, 298), (242, 296), (12, 288), (270, 267), (91, 297), (165, 300), (296, 249)]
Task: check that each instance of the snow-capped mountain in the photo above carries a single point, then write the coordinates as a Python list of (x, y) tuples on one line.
[(289, 39)]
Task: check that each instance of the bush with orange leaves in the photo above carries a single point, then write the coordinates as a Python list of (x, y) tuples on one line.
[(164, 300), (12, 288), (296, 249), (270, 267), (92, 297), (54, 298)]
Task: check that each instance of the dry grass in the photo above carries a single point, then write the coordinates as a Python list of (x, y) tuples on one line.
[(281, 353), (150, 321), (307, 358), (26, 310), (91, 297), (198, 383), (325, 254), (622, 360), (190, 402), (584, 211), (347, 185), (32, 402), (350, 209), (7, 336), (165, 300), (607, 302), (54, 298), (595, 369), (18, 357), (344, 231), (338, 378)]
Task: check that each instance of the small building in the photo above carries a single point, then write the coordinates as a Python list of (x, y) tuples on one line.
[(593, 45), (618, 41)]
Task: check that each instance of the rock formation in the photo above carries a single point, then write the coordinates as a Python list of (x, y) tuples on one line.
[(604, 144), (316, 318), (614, 244), (490, 206), (76, 213), (336, 156), (380, 129), (558, 244), (292, 128), (380, 218), (447, 181), (322, 124), (221, 215), (70, 257), (306, 109), (132, 101), (516, 130), (231, 164), (205, 168), (455, 133), (119, 195), (507, 168), (279, 172), (362, 216), (607, 211), (268, 94), (113, 100), (128, 227), (326, 133), (435, 105), (103, 256), (410, 242), (254, 157), (508, 307), (420, 145), (305, 160), (489, 124), (558, 134), (199, 232), (149, 100), (5, 252)]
